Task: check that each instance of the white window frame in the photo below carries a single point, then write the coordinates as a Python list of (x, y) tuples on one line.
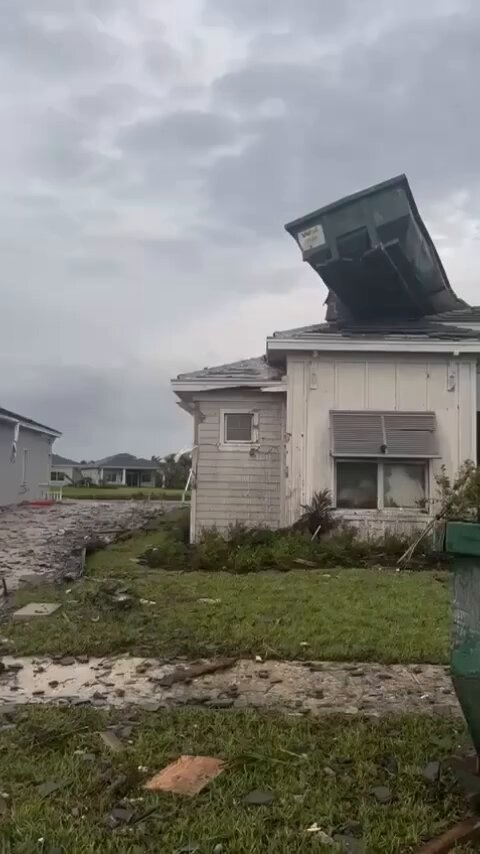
[(246, 443), (58, 476), (380, 483)]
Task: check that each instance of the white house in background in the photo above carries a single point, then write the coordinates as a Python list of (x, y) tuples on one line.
[(117, 470), (369, 405), (25, 457), (64, 471)]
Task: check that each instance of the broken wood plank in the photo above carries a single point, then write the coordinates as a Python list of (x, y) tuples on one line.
[(466, 831)]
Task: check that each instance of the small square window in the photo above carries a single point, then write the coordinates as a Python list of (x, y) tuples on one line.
[(357, 485), (238, 427)]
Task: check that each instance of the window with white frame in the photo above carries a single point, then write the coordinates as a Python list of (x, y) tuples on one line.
[(382, 458), (57, 475), (238, 428), (372, 485)]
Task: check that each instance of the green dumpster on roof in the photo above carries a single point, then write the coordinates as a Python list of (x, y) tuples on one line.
[(463, 543)]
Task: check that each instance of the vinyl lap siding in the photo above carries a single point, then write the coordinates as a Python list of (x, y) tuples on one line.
[(233, 484)]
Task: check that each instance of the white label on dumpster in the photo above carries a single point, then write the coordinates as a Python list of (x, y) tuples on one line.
[(311, 238)]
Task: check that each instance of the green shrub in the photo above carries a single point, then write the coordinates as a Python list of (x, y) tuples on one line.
[(317, 518), (211, 552), (168, 553)]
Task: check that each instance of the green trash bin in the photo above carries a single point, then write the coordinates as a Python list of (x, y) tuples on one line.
[(463, 543)]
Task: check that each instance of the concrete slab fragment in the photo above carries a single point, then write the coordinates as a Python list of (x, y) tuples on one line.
[(35, 609)]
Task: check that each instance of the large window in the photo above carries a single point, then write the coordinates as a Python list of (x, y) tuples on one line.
[(57, 476), (362, 485)]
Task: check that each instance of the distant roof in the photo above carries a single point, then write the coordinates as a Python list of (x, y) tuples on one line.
[(28, 421), (122, 461), (57, 460), (423, 328), (249, 370)]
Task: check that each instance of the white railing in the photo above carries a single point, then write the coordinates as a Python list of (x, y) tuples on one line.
[(51, 492)]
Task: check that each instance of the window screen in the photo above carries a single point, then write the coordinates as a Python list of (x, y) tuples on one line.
[(238, 426), (403, 484), (357, 485)]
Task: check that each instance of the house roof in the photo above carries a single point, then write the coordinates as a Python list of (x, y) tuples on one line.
[(57, 460), (423, 328), (249, 370), (28, 422), (122, 461), (468, 314)]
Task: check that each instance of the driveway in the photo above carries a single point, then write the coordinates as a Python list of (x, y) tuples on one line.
[(40, 543)]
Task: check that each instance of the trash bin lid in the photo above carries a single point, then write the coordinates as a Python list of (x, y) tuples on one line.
[(463, 538)]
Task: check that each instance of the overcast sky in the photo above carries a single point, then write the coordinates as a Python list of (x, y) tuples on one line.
[(150, 153)]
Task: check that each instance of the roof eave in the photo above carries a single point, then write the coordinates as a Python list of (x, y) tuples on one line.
[(27, 425), (191, 385), (338, 343)]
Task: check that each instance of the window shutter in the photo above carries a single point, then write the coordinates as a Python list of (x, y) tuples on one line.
[(383, 434)]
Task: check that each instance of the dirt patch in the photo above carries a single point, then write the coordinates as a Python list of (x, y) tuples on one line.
[(39, 544), (317, 687)]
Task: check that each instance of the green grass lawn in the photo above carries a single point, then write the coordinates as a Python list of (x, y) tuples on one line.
[(121, 493), (319, 772), (364, 614)]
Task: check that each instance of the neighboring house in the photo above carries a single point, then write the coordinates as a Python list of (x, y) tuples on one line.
[(121, 470), (64, 471), (370, 404), (25, 456)]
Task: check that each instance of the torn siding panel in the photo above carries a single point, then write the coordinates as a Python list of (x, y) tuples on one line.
[(239, 483)]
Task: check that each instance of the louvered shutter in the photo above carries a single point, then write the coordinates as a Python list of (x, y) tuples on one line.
[(364, 433)]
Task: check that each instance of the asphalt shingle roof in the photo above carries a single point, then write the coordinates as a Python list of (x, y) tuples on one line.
[(247, 369), (57, 460), (124, 461), (424, 328)]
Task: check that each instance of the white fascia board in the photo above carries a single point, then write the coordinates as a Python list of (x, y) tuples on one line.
[(274, 387), (33, 427), (180, 386), (398, 345)]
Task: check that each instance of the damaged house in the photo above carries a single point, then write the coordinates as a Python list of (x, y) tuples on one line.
[(369, 404)]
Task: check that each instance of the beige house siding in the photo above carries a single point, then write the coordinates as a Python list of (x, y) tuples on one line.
[(441, 383), (238, 483)]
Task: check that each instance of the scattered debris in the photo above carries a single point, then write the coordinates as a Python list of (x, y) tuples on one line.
[(186, 674), (322, 837), (431, 772), (382, 794), (187, 776), (302, 562), (219, 703), (259, 798), (67, 661), (49, 787), (206, 601), (35, 609), (149, 705), (112, 741), (348, 844), (258, 659), (121, 815)]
